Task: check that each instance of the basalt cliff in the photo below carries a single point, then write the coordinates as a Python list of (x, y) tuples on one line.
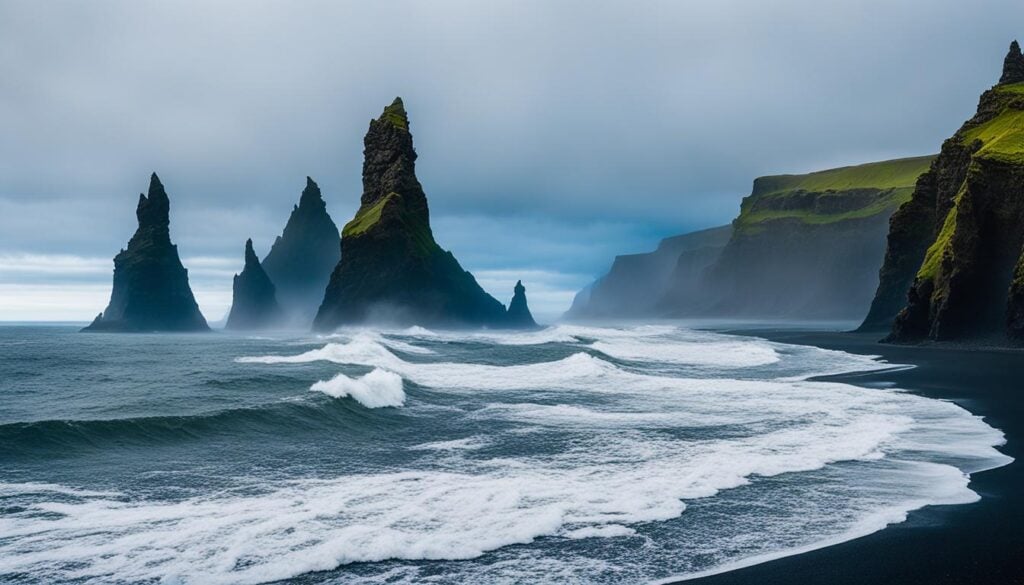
[(391, 269), (805, 246), (151, 290), (953, 267), (302, 258), (802, 247), (636, 283), (254, 297)]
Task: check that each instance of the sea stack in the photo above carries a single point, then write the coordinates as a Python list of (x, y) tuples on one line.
[(953, 267), (391, 269), (254, 302), (302, 257), (151, 290), (518, 315)]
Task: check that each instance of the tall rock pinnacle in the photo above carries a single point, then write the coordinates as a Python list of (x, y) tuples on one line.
[(1013, 66), (254, 304), (518, 315), (391, 269), (303, 256), (151, 290)]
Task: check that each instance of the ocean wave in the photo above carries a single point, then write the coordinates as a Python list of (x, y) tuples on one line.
[(374, 390), (603, 467), (592, 491), (57, 438)]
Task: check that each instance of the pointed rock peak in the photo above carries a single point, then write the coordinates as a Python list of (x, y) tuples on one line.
[(395, 115), (250, 254), (518, 313), (1013, 66), (311, 194), (154, 210)]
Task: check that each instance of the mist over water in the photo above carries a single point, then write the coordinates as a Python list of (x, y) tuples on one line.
[(578, 454)]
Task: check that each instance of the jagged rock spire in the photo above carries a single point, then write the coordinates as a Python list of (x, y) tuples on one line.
[(250, 254), (150, 290), (154, 211), (1013, 66), (518, 314), (389, 162), (302, 257), (391, 268), (311, 195), (254, 300)]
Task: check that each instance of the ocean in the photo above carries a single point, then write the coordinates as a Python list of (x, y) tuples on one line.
[(571, 454)]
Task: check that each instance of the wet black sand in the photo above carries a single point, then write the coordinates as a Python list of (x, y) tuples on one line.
[(980, 543)]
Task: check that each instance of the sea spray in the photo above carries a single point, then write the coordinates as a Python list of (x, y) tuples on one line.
[(600, 461), (374, 390)]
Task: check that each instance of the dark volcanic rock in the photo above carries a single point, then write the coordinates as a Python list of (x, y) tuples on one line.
[(254, 302), (651, 284), (1013, 66), (391, 269), (518, 315), (808, 246), (956, 245), (302, 257), (151, 290)]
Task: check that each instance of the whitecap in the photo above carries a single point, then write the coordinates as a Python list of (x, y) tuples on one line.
[(376, 389)]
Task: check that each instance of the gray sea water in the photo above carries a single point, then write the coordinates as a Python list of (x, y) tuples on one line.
[(572, 454)]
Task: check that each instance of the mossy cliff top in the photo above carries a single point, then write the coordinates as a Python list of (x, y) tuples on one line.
[(832, 195)]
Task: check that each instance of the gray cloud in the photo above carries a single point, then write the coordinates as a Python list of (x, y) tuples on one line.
[(561, 132)]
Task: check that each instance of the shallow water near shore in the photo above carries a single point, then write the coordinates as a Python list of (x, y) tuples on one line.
[(582, 454)]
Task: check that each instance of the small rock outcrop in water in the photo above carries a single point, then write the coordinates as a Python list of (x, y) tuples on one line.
[(302, 257), (518, 315), (391, 269), (953, 267), (151, 290), (254, 301)]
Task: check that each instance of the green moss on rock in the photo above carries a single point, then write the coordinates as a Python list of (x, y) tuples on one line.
[(367, 217), (831, 196), (940, 247), (395, 114)]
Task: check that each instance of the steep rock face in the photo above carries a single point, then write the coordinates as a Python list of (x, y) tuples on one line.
[(956, 246), (518, 315), (391, 269), (1013, 66), (254, 301), (151, 290), (637, 283), (808, 246), (302, 258)]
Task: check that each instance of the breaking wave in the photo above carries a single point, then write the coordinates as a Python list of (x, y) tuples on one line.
[(600, 452)]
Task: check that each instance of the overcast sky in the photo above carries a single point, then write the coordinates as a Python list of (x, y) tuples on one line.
[(551, 135)]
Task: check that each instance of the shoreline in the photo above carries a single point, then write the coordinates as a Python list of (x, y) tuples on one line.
[(975, 543)]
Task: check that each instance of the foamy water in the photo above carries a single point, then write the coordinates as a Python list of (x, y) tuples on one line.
[(576, 454)]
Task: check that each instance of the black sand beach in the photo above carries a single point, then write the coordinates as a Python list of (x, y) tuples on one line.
[(980, 543)]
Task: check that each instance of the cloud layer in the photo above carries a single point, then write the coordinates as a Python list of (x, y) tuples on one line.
[(551, 135)]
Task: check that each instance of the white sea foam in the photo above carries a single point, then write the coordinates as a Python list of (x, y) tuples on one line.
[(623, 447), (467, 444), (726, 354), (374, 390), (378, 337), (609, 531)]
